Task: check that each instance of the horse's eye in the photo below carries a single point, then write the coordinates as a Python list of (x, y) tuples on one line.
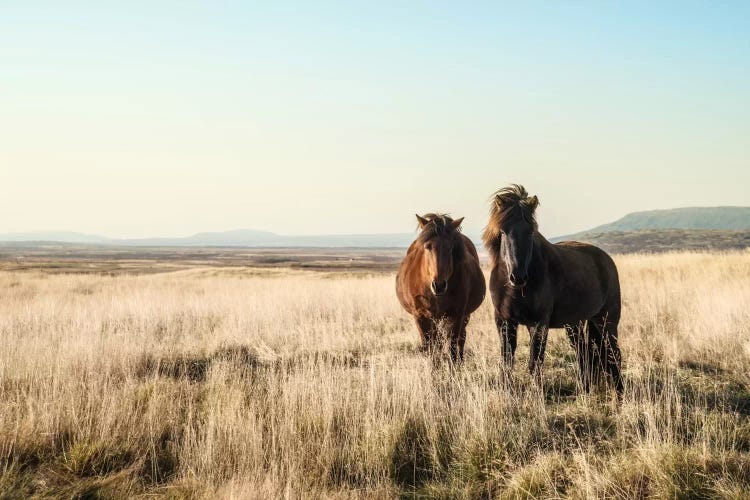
[(428, 246)]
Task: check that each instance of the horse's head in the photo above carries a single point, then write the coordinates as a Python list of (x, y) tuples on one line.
[(440, 238), (512, 225)]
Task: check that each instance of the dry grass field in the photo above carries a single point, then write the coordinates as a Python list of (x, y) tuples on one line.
[(242, 382)]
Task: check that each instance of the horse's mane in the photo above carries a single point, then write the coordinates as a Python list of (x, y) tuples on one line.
[(509, 204)]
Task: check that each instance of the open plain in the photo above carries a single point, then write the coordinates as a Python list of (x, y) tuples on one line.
[(223, 377)]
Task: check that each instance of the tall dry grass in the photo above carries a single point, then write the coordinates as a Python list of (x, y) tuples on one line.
[(255, 384)]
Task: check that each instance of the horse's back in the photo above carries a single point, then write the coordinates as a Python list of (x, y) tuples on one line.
[(593, 251), (593, 254)]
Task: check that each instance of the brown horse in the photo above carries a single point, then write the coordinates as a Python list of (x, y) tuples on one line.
[(542, 285), (440, 281)]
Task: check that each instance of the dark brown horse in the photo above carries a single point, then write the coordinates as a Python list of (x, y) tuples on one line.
[(542, 285), (440, 281)]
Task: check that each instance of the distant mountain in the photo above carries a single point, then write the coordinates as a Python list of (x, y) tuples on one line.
[(236, 238), (728, 218), (56, 236), (638, 228)]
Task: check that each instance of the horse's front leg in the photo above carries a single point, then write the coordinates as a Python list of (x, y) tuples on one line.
[(507, 330), (426, 327), (457, 331), (538, 344)]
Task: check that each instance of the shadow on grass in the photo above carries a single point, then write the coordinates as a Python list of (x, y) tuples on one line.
[(702, 367), (69, 466), (731, 397), (697, 385), (411, 458), (195, 367)]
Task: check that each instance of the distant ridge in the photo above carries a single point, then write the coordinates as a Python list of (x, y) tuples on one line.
[(652, 230), (729, 218), (668, 240), (677, 229)]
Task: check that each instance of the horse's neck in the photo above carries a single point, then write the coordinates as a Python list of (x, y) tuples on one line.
[(541, 241), (542, 249)]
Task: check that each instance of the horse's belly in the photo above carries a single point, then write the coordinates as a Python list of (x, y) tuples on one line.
[(524, 312), (570, 316)]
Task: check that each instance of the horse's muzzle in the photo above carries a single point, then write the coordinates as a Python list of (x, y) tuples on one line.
[(439, 287), (518, 281)]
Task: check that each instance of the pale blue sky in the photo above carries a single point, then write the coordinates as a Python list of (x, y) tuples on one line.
[(168, 118)]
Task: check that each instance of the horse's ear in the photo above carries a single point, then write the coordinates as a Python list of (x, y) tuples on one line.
[(421, 221), (532, 203), (457, 223), (501, 201)]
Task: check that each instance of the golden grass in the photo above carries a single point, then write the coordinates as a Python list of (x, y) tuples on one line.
[(255, 384)]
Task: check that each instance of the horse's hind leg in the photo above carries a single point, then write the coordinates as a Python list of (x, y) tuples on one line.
[(595, 351), (578, 338), (613, 358), (605, 345)]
